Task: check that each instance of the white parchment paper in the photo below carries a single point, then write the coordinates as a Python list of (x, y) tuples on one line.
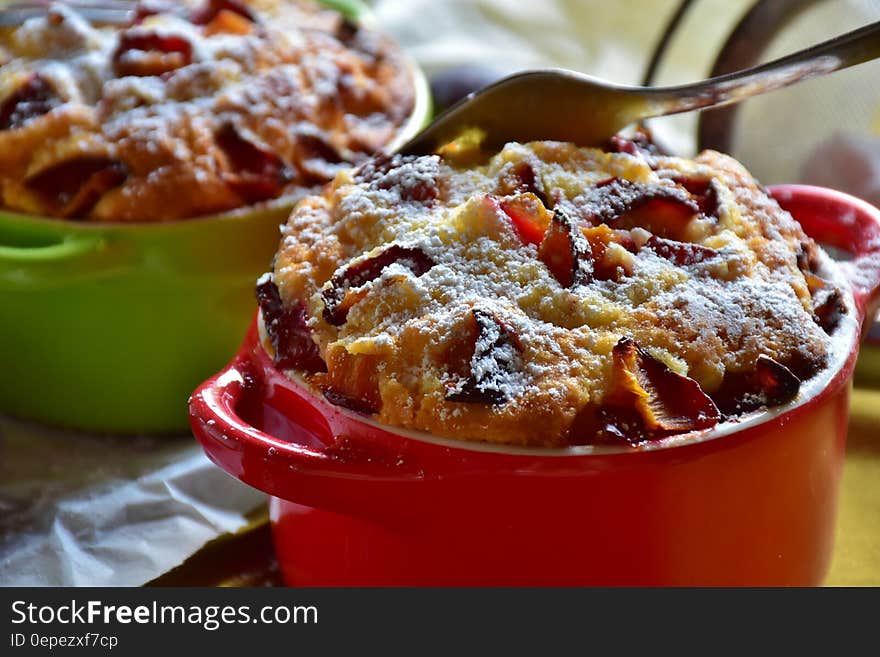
[(80, 510)]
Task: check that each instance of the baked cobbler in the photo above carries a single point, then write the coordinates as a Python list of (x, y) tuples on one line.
[(551, 295), (193, 108)]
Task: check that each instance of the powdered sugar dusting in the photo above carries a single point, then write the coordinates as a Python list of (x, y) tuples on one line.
[(701, 318), (166, 86)]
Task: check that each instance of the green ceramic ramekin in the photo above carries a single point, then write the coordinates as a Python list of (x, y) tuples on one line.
[(109, 327)]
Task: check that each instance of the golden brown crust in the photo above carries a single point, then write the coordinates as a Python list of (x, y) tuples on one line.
[(682, 275), (195, 116)]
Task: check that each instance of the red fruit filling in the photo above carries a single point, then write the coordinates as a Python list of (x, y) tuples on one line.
[(32, 99), (358, 404), (639, 143), (350, 381), (770, 383), (340, 296), (808, 258), (828, 306), (212, 8), (389, 172), (528, 214), (73, 187), (521, 179), (664, 211), (566, 251), (315, 159), (257, 174), (287, 329), (702, 191), (647, 400), (347, 30), (493, 357), (680, 253), (605, 266), (148, 54)]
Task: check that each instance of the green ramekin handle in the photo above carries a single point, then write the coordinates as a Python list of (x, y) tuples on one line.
[(64, 250), (61, 262)]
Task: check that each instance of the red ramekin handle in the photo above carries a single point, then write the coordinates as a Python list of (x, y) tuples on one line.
[(234, 443), (847, 223), (301, 463)]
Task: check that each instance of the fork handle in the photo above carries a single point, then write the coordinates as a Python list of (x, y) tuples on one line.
[(841, 52)]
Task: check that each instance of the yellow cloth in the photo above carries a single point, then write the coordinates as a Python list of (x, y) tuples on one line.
[(856, 559)]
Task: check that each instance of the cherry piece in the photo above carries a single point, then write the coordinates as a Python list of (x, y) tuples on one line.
[(828, 306), (354, 403), (666, 217), (641, 142), (664, 211), (493, 356), (587, 427), (212, 8), (347, 30), (288, 331), (73, 187), (32, 99), (702, 191), (351, 381), (145, 54), (529, 216), (680, 253), (385, 171), (340, 296), (566, 251), (257, 173), (374, 170), (599, 238), (808, 260), (315, 157), (770, 383), (521, 179), (647, 400)]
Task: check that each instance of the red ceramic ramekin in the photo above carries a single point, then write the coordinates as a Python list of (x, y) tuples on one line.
[(356, 503)]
